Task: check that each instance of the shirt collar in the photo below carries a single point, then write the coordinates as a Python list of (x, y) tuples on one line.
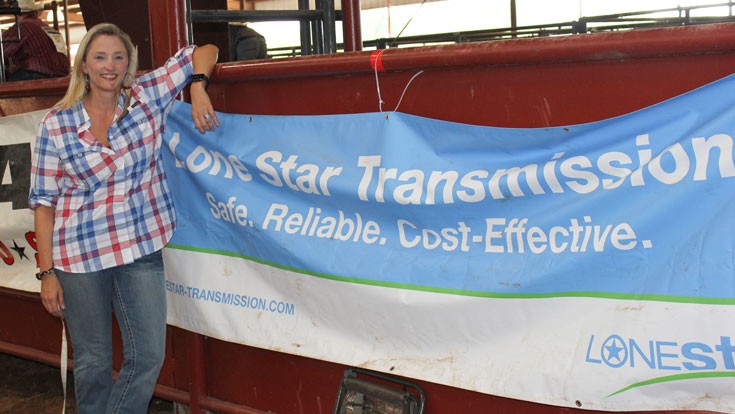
[(81, 118), (84, 122)]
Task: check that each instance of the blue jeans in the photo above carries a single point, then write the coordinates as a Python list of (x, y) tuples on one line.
[(137, 293)]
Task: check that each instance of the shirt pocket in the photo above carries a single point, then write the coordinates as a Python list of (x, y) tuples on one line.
[(87, 168)]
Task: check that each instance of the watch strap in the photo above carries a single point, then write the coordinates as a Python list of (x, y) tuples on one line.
[(200, 77)]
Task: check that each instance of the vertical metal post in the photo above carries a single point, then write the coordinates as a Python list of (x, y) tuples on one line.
[(168, 26), (329, 26), (54, 8), (2, 58), (513, 18), (189, 23), (305, 30), (197, 385), (66, 27), (317, 30), (351, 27)]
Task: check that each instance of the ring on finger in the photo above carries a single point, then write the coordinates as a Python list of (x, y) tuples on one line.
[(207, 117)]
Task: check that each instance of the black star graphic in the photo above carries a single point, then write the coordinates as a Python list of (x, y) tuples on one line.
[(20, 250)]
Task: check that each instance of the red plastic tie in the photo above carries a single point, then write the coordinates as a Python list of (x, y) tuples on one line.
[(376, 60)]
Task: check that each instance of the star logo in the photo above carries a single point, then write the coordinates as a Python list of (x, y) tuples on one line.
[(614, 351), (20, 250)]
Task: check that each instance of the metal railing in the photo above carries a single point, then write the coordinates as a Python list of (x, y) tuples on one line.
[(646, 19), (317, 31)]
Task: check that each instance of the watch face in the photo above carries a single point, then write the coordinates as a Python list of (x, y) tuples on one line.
[(198, 77)]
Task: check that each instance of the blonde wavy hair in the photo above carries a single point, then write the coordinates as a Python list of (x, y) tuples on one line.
[(77, 83)]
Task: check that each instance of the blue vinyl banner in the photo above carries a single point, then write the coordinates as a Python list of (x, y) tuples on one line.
[(582, 266), (639, 206)]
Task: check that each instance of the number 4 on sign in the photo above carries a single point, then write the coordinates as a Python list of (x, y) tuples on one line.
[(15, 170)]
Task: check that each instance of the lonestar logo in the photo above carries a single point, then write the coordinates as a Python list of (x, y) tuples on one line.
[(692, 359), (614, 352)]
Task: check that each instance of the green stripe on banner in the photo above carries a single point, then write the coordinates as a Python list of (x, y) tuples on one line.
[(677, 377), (461, 292)]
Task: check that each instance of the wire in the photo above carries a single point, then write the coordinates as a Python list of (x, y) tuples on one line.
[(393, 43), (380, 53), (406, 88)]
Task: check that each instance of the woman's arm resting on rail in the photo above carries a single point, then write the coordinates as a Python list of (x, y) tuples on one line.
[(204, 59)]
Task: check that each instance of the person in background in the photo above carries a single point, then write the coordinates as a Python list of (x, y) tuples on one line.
[(103, 211), (35, 54), (246, 43)]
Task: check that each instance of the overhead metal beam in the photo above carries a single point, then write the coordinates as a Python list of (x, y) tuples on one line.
[(224, 16)]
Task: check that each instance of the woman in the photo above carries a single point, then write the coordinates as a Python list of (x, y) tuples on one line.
[(103, 211)]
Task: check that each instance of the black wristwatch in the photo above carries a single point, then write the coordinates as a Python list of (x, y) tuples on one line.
[(200, 77), (40, 275)]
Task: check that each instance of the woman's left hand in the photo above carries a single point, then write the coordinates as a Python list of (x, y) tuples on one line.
[(202, 111)]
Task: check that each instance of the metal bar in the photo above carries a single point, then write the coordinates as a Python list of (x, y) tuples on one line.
[(189, 22), (168, 29), (305, 31), (670, 9), (317, 32), (197, 387), (32, 354), (632, 20), (2, 58), (38, 88), (208, 403), (669, 42), (328, 26), (53, 7), (351, 25), (218, 406), (222, 16), (66, 27)]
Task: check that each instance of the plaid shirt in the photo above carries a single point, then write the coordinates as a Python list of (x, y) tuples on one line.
[(112, 204)]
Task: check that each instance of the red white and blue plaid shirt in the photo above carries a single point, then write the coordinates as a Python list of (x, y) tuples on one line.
[(112, 204)]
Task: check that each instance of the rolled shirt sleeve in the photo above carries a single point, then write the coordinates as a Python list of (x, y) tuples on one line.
[(45, 170)]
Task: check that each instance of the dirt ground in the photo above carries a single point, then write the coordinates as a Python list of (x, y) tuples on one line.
[(28, 387)]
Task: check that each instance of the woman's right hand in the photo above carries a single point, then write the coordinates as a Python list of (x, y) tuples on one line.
[(203, 60), (202, 112), (52, 296)]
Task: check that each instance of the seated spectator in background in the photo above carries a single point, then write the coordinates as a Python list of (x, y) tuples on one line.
[(40, 51), (246, 43)]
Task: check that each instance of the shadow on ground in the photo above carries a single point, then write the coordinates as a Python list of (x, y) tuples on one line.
[(28, 387)]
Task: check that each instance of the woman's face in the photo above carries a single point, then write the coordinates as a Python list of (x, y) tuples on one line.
[(106, 63)]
